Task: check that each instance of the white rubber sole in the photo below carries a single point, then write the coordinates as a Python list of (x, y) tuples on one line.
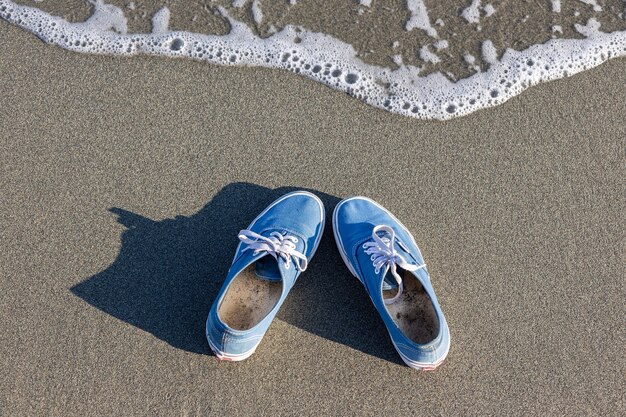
[(223, 356), (420, 366)]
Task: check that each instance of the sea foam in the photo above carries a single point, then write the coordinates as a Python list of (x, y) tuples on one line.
[(333, 62)]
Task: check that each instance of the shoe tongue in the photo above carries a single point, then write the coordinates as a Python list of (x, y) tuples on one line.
[(267, 268), (389, 282)]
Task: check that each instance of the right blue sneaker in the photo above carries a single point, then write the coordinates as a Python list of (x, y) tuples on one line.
[(383, 255)]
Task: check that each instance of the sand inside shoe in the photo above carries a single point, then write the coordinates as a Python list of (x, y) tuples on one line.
[(252, 295), (413, 312)]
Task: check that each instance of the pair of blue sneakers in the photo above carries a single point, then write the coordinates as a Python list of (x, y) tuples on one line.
[(375, 247)]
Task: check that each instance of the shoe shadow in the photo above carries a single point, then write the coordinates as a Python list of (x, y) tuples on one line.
[(168, 273)]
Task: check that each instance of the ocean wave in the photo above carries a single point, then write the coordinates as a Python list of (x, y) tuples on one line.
[(336, 63)]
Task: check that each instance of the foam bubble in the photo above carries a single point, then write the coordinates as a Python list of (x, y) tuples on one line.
[(591, 29), (419, 18), (332, 62), (472, 13), (490, 54), (594, 4), (471, 61), (161, 20), (489, 9), (257, 13), (105, 17), (427, 55), (441, 44)]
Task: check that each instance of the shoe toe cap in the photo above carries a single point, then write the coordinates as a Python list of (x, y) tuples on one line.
[(355, 218), (300, 212)]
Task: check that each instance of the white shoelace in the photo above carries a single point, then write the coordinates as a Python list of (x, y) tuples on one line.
[(277, 245), (383, 254)]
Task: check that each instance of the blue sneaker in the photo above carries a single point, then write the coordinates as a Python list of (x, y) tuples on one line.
[(272, 253), (383, 255)]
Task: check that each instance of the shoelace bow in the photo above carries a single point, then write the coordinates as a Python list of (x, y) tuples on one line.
[(383, 254), (277, 245)]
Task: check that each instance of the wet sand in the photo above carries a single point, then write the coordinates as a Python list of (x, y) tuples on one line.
[(125, 181)]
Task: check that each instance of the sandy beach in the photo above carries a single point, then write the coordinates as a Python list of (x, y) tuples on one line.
[(125, 181)]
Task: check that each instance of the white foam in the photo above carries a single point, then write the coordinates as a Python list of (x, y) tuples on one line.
[(419, 18), (489, 52), (105, 17), (471, 61), (427, 55), (239, 3), (333, 62), (557, 29), (594, 4), (161, 21), (489, 9), (590, 30), (472, 12), (441, 44), (556, 6), (366, 3), (257, 14)]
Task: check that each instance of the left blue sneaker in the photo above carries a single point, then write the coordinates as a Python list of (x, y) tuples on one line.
[(383, 255), (273, 251)]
